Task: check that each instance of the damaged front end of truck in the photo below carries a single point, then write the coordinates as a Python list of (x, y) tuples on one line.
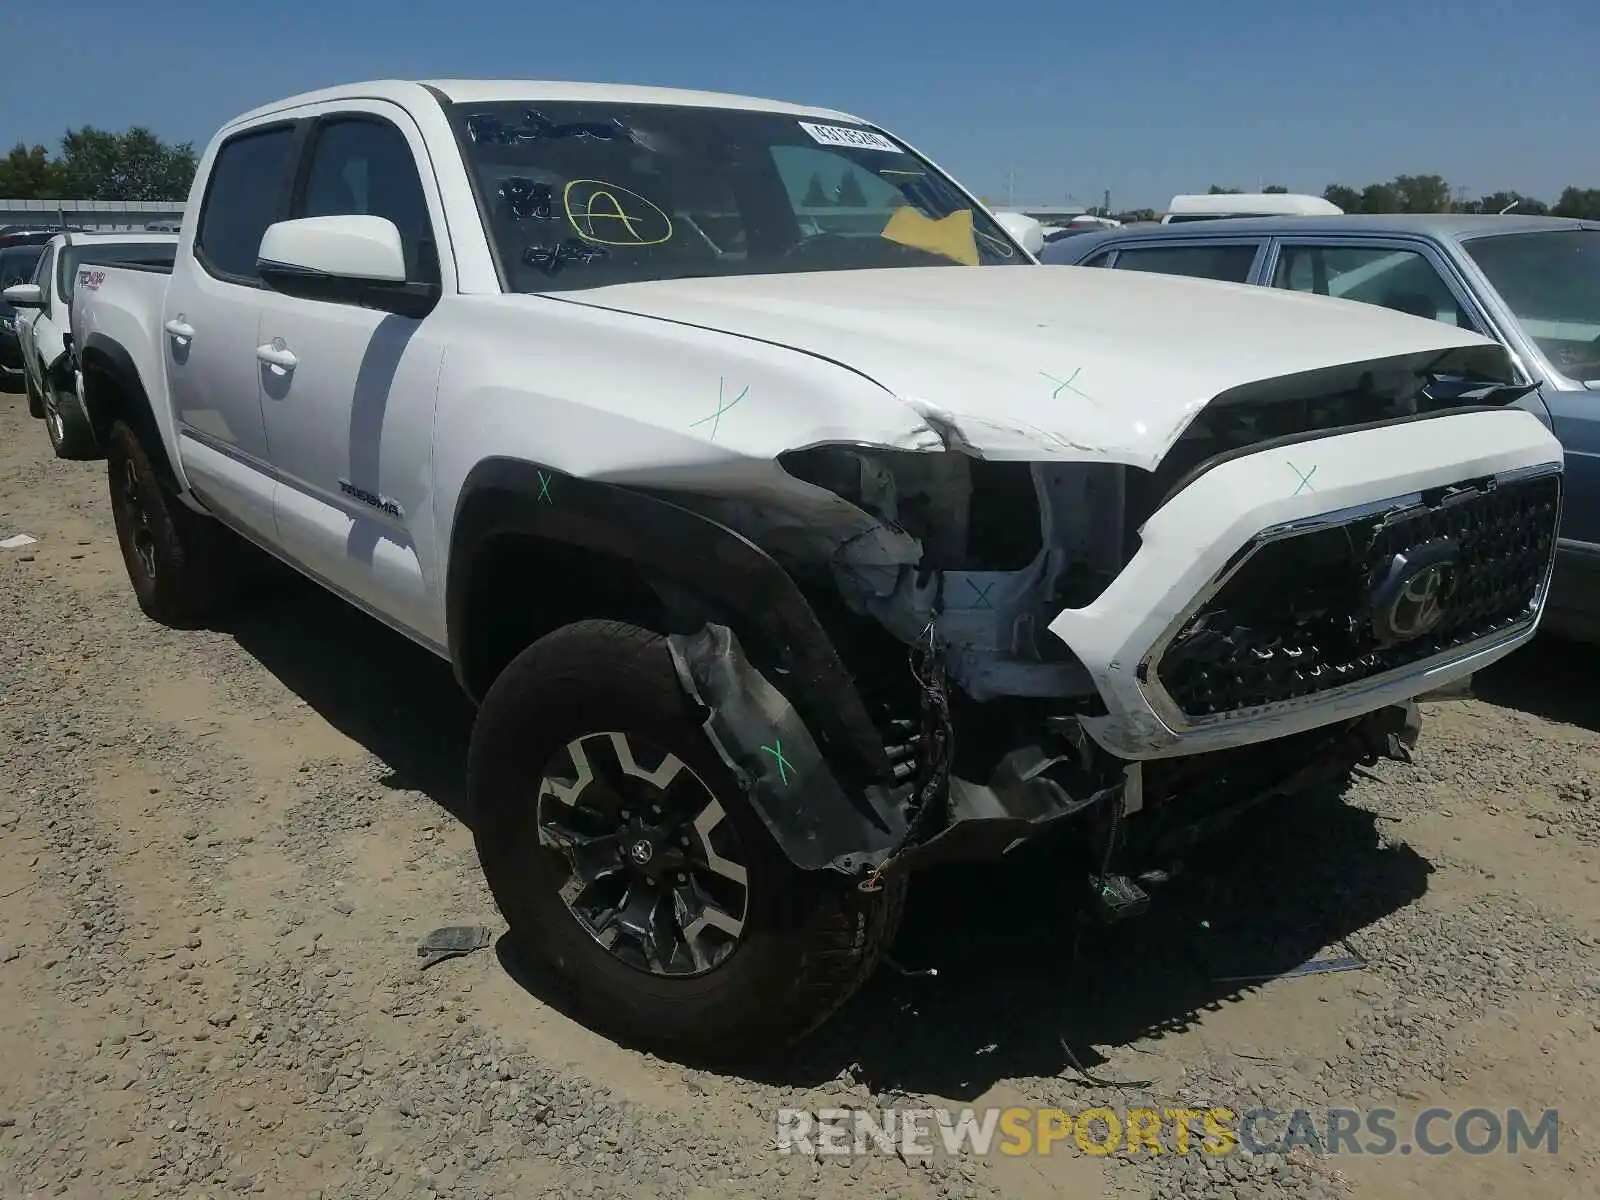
[(1127, 657)]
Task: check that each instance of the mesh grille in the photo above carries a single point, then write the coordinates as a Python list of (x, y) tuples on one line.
[(1315, 610)]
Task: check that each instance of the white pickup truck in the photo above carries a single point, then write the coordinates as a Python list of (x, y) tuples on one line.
[(785, 554), (44, 309)]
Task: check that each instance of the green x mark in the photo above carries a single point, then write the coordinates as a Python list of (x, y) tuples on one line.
[(716, 417), (776, 750), (1065, 384), (544, 488), (1305, 478), (982, 599)]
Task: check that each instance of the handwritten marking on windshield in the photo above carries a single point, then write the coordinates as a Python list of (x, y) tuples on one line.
[(638, 221), (716, 417)]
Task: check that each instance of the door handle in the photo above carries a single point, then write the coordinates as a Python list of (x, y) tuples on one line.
[(276, 354), (180, 329)]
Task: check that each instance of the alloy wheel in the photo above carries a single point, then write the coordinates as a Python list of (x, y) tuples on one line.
[(653, 869), (52, 417), (138, 512)]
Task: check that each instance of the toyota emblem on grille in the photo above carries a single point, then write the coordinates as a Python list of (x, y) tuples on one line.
[(1420, 604), (1414, 591)]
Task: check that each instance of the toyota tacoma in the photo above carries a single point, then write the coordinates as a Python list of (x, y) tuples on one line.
[(791, 526)]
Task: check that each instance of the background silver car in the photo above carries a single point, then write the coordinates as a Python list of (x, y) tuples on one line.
[(1531, 283)]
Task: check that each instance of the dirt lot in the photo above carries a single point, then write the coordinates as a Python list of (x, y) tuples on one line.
[(218, 851)]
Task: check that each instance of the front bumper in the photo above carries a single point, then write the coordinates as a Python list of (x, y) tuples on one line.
[(1196, 542)]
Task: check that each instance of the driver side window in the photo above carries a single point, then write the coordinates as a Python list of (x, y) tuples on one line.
[(364, 165)]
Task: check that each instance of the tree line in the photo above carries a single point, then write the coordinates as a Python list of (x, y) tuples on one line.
[(1433, 194), (96, 164)]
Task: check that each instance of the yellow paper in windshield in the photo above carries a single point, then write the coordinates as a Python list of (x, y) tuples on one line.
[(949, 237)]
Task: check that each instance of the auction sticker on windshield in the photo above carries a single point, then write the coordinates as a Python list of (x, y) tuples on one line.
[(856, 139)]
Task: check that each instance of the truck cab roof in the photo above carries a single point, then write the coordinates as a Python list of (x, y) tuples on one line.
[(485, 91), (1248, 204)]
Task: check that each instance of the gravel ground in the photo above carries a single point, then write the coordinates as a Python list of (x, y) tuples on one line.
[(218, 851)]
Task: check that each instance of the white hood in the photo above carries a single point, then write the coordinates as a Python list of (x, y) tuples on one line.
[(1076, 363)]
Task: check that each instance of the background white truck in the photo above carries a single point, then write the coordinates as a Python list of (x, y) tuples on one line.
[(44, 309), (565, 383)]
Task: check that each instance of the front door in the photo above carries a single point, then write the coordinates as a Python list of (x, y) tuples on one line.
[(209, 323), (347, 392), (28, 320)]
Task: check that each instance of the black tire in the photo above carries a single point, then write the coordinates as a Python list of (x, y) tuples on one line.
[(71, 435), (809, 940), (35, 401), (172, 554)]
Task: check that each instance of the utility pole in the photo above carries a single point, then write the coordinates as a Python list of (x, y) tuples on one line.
[(1011, 185)]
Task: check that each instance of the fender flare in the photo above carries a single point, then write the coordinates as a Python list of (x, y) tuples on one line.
[(61, 362), (113, 359), (672, 545)]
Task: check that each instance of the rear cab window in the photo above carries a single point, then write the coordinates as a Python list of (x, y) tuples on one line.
[(72, 257), (244, 194)]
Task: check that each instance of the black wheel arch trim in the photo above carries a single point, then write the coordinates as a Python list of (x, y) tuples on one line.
[(60, 366), (106, 355), (684, 550), (817, 823)]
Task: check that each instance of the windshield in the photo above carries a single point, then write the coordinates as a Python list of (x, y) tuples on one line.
[(1551, 283), (580, 195), (17, 264), (108, 252)]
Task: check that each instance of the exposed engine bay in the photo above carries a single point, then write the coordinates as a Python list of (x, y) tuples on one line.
[(984, 712)]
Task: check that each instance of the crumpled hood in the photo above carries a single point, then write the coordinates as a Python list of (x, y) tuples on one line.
[(1076, 363)]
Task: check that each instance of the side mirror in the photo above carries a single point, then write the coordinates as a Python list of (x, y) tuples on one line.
[(1024, 229), (350, 259), (24, 295)]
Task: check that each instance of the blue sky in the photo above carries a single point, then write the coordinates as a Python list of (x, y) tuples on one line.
[(1144, 99)]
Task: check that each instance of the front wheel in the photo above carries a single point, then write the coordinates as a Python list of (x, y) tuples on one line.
[(35, 401), (71, 436), (629, 863)]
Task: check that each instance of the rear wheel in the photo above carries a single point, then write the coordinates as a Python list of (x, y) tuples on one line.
[(171, 553), (631, 866)]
